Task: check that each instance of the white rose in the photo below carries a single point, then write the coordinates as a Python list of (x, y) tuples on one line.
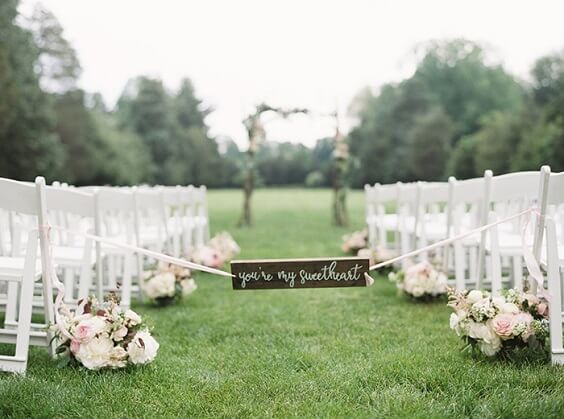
[(454, 321), (509, 308), (417, 291), (188, 286), (132, 317), (118, 357), (490, 348), (474, 296), (95, 354), (143, 348), (120, 334), (498, 301), (161, 285)]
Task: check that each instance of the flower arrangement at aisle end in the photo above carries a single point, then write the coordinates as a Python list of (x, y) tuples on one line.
[(103, 336), (222, 248), (355, 241), (168, 283), (499, 325), (421, 281)]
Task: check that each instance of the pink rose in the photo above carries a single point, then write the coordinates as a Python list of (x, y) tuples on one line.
[(502, 325), (83, 331), (74, 346), (542, 309)]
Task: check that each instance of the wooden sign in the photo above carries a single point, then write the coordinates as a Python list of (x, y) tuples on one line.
[(300, 273)]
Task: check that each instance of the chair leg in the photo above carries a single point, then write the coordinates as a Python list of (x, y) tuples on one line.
[(126, 285), (459, 268), (517, 272), (26, 302)]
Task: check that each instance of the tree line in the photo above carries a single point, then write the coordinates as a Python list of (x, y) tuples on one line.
[(457, 114)]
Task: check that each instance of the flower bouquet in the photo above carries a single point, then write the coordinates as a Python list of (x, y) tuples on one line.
[(378, 255), (355, 241), (221, 248), (103, 335), (168, 283), (499, 325), (225, 245), (208, 256), (421, 281)]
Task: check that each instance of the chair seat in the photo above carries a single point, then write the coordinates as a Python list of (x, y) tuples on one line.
[(510, 244), (11, 267), (434, 231), (386, 221), (66, 256)]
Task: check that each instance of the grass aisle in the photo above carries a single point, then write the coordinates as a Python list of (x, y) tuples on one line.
[(328, 352)]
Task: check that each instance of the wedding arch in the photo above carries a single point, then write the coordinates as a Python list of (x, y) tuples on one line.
[(257, 134)]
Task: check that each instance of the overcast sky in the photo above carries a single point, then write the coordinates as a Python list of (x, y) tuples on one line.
[(308, 53)]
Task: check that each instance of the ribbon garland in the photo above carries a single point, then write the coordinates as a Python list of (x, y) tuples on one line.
[(530, 261)]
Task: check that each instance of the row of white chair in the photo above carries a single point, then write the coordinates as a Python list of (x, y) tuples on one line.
[(409, 216), (170, 219)]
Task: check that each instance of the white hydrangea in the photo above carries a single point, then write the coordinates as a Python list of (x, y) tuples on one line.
[(160, 286)]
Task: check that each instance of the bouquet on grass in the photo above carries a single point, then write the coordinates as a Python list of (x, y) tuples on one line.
[(377, 255), (168, 283), (220, 249), (499, 325), (103, 335), (355, 241), (421, 281)]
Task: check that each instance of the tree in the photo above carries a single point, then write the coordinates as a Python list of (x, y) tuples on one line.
[(145, 108), (58, 63), (121, 158), (429, 142), (29, 146), (79, 136), (462, 163), (452, 76)]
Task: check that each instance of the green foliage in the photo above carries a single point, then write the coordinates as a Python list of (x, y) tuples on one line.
[(58, 63), (429, 145), (314, 179), (27, 141), (412, 130), (462, 162), (122, 158)]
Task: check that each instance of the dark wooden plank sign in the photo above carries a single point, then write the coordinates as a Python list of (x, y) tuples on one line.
[(300, 273)]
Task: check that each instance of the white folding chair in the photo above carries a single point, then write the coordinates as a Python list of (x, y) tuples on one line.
[(201, 221), (432, 215), (187, 204), (382, 219), (467, 210), (171, 202), (73, 255), (115, 217), (22, 271), (407, 207), (510, 194)]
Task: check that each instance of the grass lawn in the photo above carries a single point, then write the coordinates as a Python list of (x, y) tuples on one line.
[(328, 352)]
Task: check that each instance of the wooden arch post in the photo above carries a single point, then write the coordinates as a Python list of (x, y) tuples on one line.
[(257, 134)]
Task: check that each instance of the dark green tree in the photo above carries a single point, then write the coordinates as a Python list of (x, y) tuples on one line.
[(429, 145), (29, 145), (145, 107)]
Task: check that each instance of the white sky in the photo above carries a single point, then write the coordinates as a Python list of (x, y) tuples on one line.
[(295, 53)]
